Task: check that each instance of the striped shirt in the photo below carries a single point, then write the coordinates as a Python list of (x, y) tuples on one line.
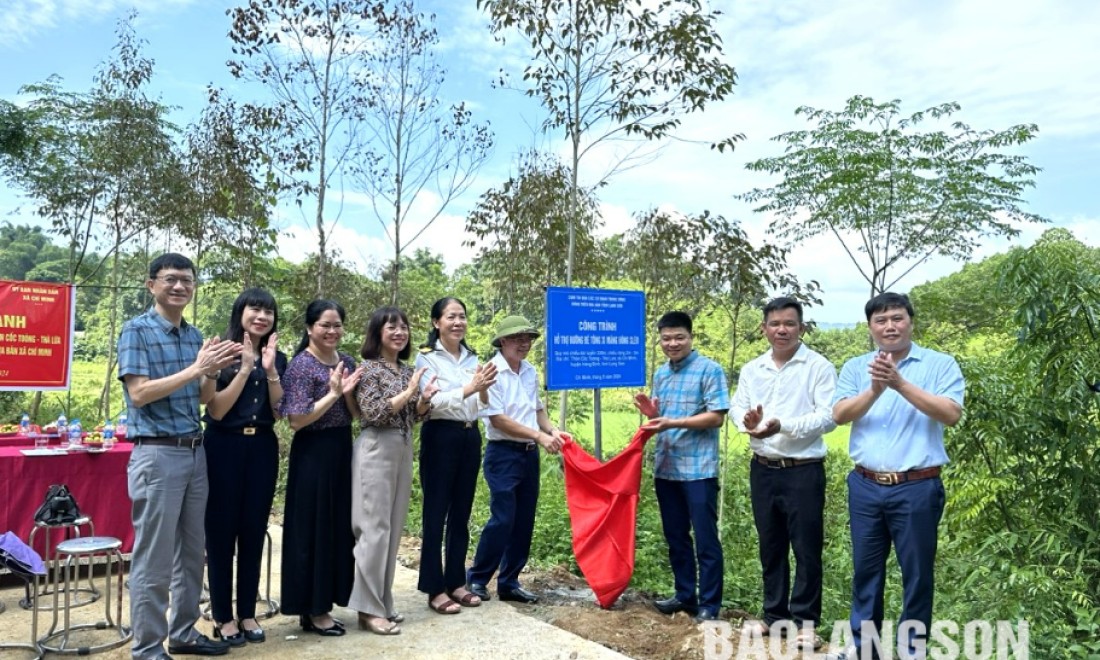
[(151, 346), (691, 386)]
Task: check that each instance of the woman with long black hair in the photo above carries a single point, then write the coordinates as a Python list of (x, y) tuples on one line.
[(319, 403), (242, 458)]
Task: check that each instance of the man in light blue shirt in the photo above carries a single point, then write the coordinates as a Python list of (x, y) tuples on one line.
[(691, 397), (898, 398)]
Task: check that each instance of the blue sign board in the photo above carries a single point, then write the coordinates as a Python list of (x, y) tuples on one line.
[(595, 338)]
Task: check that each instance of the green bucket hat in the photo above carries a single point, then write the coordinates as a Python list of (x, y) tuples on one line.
[(514, 325)]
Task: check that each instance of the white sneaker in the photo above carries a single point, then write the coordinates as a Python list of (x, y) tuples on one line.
[(847, 654)]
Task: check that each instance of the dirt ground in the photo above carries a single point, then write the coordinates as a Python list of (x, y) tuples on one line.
[(631, 628)]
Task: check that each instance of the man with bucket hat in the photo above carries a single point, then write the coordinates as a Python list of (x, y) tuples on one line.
[(516, 424)]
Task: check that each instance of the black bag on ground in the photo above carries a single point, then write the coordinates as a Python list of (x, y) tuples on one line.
[(59, 508)]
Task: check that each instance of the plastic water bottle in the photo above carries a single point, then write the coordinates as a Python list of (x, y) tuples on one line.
[(74, 432), (120, 428), (108, 434), (25, 424), (62, 428)]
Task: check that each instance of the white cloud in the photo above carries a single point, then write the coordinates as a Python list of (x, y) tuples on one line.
[(22, 21)]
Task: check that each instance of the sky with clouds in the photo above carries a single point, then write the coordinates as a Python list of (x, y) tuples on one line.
[(1028, 63)]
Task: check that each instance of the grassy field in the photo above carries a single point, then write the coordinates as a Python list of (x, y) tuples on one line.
[(619, 427)]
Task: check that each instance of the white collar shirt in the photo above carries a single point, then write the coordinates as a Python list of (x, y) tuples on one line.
[(799, 394), (515, 395), (451, 374)]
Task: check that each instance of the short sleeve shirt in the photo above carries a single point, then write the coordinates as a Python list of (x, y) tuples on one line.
[(253, 406), (893, 436), (691, 386), (515, 395), (306, 382), (378, 386), (151, 346)]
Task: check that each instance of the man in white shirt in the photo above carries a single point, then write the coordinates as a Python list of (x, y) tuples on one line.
[(516, 425), (784, 403)]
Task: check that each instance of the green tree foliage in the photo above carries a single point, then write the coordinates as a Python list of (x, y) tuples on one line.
[(1028, 449), (26, 253), (839, 345), (424, 281), (521, 233), (411, 142), (979, 321), (891, 194), (231, 195)]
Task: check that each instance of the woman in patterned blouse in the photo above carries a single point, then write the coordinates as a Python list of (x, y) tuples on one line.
[(390, 402), (318, 402)]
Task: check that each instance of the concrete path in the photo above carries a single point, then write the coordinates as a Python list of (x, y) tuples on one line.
[(494, 631)]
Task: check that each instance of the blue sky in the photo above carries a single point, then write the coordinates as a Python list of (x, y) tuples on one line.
[(1029, 63)]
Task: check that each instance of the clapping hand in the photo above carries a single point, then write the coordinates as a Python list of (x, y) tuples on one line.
[(429, 390), (216, 355), (248, 353), (267, 360), (484, 376), (341, 381), (646, 406), (756, 426), (884, 372)]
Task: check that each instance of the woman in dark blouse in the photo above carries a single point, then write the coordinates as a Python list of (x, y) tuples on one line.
[(319, 403), (242, 457), (390, 401)]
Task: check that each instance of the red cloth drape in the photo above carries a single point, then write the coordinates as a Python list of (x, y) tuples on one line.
[(603, 505)]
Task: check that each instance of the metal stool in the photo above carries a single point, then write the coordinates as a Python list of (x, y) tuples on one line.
[(83, 594), (32, 645), (264, 596), (89, 547)]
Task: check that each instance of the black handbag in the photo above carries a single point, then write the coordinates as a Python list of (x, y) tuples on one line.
[(59, 508)]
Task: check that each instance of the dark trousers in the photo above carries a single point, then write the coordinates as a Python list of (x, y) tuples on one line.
[(906, 515), (512, 472), (788, 506), (449, 457), (242, 471), (689, 507)]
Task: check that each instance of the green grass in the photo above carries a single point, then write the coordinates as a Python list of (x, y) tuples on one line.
[(619, 427), (81, 400)]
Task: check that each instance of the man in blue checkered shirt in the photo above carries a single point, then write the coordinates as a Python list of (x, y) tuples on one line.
[(691, 398), (167, 370)]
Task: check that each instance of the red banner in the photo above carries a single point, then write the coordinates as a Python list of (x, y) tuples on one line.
[(36, 335)]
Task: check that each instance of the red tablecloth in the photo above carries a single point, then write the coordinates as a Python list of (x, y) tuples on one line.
[(97, 482)]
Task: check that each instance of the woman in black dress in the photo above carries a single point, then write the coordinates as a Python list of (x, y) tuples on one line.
[(242, 458), (319, 403)]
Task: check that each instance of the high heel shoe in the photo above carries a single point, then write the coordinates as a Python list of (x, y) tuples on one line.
[(388, 628), (236, 639), (332, 631)]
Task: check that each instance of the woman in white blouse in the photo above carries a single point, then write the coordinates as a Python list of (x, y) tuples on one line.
[(450, 452)]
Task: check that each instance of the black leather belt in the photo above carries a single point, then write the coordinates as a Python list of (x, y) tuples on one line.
[(182, 441), (453, 422), (518, 445), (778, 463)]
